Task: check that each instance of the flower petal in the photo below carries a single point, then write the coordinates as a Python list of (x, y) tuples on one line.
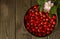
[(45, 4), (48, 5), (49, 2), (52, 4), (48, 8)]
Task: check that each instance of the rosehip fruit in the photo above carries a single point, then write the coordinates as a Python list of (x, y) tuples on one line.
[(39, 23)]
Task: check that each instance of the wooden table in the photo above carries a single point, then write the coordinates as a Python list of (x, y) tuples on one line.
[(11, 20)]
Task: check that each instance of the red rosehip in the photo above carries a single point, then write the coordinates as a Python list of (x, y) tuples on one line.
[(40, 14), (46, 13), (45, 23), (51, 21), (26, 17), (39, 34), (48, 32), (36, 17), (33, 29), (48, 29), (28, 24), (54, 17), (51, 29), (41, 18), (35, 24), (47, 19), (52, 26), (36, 13), (49, 25), (44, 16), (31, 11), (39, 23), (39, 30), (35, 6), (40, 27), (54, 22), (36, 27), (45, 26), (44, 19)]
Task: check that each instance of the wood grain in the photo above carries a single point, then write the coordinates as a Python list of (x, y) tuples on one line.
[(7, 19), (21, 8)]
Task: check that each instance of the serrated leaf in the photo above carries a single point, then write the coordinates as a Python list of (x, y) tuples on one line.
[(53, 10)]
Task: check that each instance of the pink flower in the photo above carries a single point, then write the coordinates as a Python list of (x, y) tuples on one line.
[(48, 5)]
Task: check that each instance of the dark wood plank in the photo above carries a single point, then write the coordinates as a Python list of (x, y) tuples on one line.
[(7, 19), (0, 24), (21, 8)]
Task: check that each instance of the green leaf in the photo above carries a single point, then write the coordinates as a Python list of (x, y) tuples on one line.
[(41, 2), (53, 0), (46, 0), (53, 10), (40, 8)]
